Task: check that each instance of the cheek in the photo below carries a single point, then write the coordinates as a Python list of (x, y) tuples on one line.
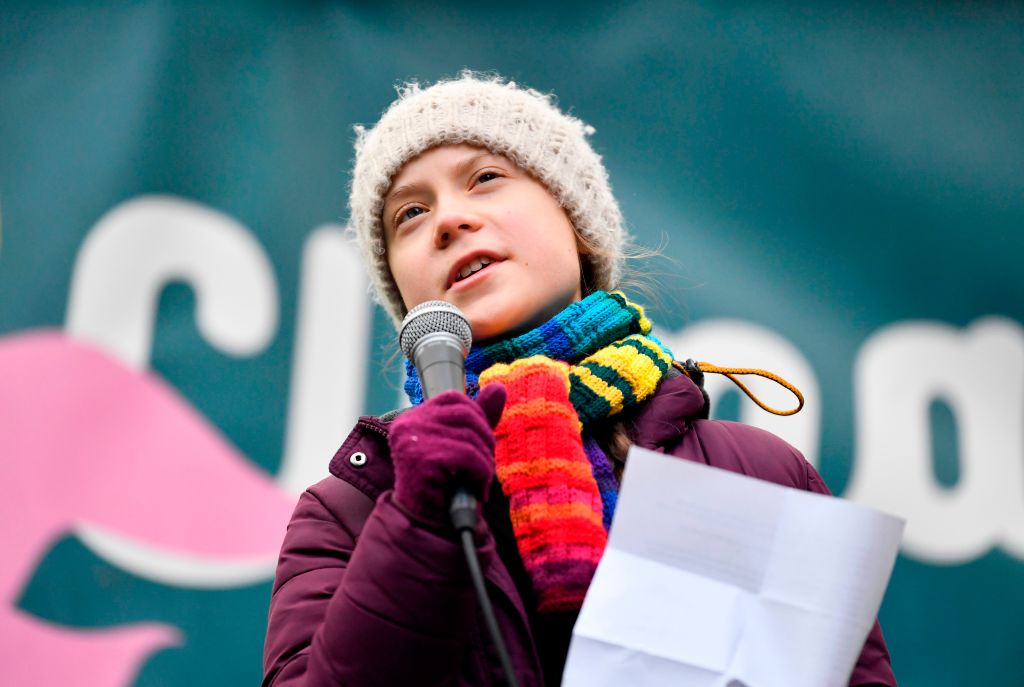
[(566, 252), (557, 263), (406, 276)]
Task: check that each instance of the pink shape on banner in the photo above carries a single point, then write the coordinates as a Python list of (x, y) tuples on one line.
[(85, 440)]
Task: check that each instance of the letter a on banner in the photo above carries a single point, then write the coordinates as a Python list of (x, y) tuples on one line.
[(979, 373)]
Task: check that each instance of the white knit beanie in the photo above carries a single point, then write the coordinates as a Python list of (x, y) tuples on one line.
[(521, 124)]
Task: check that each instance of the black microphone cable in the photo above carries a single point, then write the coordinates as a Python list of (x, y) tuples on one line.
[(463, 514)]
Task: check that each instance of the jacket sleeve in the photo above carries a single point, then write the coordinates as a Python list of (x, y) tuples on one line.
[(874, 667), (346, 604)]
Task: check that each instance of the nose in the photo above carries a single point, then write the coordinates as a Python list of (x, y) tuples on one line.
[(451, 222)]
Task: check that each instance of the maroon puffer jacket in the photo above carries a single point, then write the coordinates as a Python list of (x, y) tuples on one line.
[(365, 596)]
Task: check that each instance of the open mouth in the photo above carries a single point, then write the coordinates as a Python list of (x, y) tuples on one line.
[(473, 267)]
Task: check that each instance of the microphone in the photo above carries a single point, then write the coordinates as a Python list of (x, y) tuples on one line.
[(436, 337)]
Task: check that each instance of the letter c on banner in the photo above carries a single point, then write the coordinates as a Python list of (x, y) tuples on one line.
[(134, 250)]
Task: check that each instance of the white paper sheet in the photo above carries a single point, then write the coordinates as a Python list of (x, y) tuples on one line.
[(714, 579)]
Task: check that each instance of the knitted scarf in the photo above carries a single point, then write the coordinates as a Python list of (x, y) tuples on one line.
[(589, 362)]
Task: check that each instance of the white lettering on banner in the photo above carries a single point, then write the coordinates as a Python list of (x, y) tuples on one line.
[(979, 372), (134, 250), (127, 258), (141, 245), (737, 342), (331, 352)]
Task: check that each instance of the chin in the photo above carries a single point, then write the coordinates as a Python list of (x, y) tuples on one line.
[(487, 326), (485, 331), (498, 318), (495, 323)]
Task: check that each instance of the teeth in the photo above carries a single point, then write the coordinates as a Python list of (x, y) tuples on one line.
[(474, 266)]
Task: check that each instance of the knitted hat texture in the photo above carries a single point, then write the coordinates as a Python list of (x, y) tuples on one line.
[(523, 125)]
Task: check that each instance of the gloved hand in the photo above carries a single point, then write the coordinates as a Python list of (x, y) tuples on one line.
[(446, 442)]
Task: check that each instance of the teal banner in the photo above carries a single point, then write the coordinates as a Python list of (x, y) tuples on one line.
[(836, 192)]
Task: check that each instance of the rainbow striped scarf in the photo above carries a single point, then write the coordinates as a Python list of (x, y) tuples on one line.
[(591, 361)]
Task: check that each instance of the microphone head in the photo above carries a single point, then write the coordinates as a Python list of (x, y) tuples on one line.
[(434, 317)]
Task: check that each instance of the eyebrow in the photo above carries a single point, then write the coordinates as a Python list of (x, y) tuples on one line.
[(401, 192), (463, 167)]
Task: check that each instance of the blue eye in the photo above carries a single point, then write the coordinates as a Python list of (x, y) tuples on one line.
[(409, 213)]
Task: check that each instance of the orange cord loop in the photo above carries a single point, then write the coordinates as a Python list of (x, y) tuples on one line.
[(731, 373)]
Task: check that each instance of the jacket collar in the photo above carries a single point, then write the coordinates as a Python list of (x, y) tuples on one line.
[(364, 460), (666, 416)]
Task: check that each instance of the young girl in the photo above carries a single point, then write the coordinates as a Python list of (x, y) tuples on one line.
[(486, 195)]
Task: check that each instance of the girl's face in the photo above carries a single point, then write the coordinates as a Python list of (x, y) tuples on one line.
[(469, 227)]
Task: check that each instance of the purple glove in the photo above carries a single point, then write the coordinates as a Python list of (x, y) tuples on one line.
[(446, 442)]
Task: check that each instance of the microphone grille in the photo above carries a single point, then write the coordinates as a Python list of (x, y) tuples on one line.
[(431, 317)]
